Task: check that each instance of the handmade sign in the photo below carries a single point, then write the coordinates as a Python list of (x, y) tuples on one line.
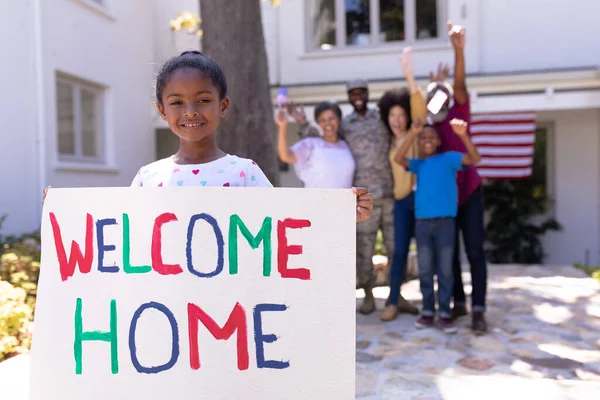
[(196, 293)]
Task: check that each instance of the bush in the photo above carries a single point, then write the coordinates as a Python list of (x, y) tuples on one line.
[(19, 273), (21, 270), (15, 321)]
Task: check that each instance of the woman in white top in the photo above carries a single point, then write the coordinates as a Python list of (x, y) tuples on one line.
[(321, 162)]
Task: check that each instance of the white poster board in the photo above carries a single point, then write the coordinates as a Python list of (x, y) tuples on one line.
[(169, 300)]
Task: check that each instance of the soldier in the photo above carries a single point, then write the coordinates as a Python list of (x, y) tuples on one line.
[(369, 143)]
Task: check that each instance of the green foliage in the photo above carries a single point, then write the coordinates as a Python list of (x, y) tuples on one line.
[(379, 247), (15, 321), (593, 271), (19, 273), (513, 235)]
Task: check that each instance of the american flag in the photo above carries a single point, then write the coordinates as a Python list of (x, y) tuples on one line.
[(505, 142)]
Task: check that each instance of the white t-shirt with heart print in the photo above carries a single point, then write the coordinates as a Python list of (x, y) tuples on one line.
[(229, 170)]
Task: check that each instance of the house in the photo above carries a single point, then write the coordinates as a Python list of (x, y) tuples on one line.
[(535, 55), (77, 83), (94, 60)]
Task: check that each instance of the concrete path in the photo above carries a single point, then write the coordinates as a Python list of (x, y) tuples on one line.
[(544, 343)]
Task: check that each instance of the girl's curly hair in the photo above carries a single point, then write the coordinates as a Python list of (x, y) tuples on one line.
[(391, 98)]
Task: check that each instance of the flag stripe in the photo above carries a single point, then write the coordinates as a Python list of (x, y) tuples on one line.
[(504, 173), (505, 161), (505, 142), (502, 128), (506, 138)]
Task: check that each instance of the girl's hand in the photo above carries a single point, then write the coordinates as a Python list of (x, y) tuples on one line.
[(417, 126), (45, 193), (441, 74), (406, 61), (281, 119), (457, 35), (459, 127), (296, 112), (364, 203)]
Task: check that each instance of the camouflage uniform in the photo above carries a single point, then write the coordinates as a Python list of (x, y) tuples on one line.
[(369, 142)]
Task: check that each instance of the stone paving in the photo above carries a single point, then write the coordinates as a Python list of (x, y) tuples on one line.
[(544, 343)]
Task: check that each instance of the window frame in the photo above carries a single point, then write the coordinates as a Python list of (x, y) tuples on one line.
[(410, 24), (550, 133), (76, 86)]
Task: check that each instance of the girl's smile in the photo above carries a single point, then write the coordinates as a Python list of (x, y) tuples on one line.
[(192, 106)]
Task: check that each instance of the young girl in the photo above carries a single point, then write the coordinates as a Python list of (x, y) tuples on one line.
[(398, 108), (321, 162), (191, 96)]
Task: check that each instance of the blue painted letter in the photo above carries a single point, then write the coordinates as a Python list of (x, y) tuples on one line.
[(220, 245), (260, 338), (100, 224), (175, 337)]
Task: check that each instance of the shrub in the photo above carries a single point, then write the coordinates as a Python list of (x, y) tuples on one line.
[(19, 273), (15, 321)]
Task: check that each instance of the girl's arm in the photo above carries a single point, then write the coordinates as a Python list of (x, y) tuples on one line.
[(406, 62), (418, 107), (285, 153), (460, 128), (400, 156)]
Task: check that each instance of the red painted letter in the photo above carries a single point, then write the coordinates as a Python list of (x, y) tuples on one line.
[(67, 267), (236, 321), (156, 248), (284, 251)]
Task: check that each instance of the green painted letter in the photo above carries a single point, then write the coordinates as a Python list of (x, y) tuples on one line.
[(127, 267), (264, 235), (110, 336)]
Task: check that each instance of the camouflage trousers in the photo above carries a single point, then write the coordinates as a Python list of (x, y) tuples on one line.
[(382, 219)]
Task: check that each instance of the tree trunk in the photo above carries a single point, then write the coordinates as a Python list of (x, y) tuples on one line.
[(233, 36)]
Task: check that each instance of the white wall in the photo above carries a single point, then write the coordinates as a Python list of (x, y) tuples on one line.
[(168, 43), (115, 50), (19, 195), (538, 34), (299, 66), (272, 31), (577, 186), (502, 36)]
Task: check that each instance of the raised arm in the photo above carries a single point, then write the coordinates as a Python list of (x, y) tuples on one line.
[(457, 38), (460, 128), (306, 129), (283, 149), (418, 107), (400, 156), (407, 64)]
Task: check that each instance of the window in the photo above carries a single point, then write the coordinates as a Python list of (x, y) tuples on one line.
[(79, 111), (351, 23)]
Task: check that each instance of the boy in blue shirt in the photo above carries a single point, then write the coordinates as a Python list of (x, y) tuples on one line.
[(436, 205)]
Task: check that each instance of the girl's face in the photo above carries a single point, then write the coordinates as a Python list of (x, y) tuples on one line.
[(398, 120), (329, 123), (191, 105)]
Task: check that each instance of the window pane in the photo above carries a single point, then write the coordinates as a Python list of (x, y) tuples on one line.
[(65, 119), (358, 25), (427, 19), (391, 20), (323, 24), (89, 123)]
